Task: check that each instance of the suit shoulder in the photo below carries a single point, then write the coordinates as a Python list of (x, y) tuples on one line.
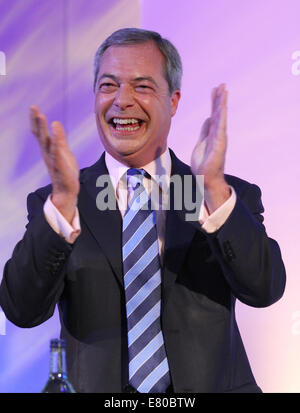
[(44, 191), (235, 180), (241, 185)]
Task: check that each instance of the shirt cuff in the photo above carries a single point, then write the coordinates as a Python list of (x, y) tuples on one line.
[(211, 223), (59, 224)]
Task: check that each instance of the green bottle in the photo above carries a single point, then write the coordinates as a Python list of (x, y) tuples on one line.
[(58, 381)]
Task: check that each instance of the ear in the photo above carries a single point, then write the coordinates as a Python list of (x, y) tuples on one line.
[(174, 101)]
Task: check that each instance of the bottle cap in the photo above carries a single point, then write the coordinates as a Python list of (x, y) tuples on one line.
[(57, 343)]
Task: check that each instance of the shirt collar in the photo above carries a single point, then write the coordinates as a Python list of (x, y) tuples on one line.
[(159, 169)]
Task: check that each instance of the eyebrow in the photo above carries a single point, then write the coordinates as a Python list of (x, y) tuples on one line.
[(108, 75), (137, 79)]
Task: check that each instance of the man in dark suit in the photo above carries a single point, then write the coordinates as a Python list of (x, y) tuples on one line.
[(71, 252)]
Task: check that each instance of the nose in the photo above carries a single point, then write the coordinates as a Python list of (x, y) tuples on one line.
[(124, 97)]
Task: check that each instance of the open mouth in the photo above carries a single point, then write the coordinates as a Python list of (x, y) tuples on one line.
[(126, 124)]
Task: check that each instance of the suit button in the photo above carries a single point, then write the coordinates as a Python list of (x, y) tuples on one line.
[(230, 255), (60, 256)]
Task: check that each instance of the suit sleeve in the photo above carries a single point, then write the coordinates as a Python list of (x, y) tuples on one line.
[(250, 260), (33, 278)]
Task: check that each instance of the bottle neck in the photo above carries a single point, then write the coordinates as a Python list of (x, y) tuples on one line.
[(58, 362)]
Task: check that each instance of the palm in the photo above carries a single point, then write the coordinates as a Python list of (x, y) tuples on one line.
[(60, 161), (208, 156)]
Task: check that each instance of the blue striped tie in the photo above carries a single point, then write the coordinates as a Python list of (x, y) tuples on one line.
[(148, 364)]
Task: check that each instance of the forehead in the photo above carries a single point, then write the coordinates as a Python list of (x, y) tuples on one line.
[(132, 61)]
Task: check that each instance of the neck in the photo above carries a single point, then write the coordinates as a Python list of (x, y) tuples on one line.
[(138, 161)]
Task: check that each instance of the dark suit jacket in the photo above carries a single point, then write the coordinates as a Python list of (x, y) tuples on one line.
[(202, 276)]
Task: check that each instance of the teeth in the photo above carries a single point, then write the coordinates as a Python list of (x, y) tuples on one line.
[(125, 121), (128, 128)]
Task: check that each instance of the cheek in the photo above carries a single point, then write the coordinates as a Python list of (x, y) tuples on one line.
[(162, 116), (102, 104), (97, 109)]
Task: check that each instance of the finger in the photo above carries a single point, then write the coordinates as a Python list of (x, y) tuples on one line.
[(219, 113), (222, 105), (33, 116), (38, 122), (222, 87), (39, 127), (213, 99), (219, 102), (43, 126), (43, 132), (215, 118), (59, 135), (219, 91), (204, 130), (216, 101), (222, 92), (223, 115), (218, 133), (213, 93)]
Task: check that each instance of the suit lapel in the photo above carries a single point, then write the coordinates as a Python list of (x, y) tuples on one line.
[(179, 232), (106, 226)]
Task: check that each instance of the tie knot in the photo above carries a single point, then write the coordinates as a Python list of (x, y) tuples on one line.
[(135, 177), (135, 171)]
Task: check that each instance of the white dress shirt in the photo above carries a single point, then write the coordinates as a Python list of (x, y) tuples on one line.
[(160, 172)]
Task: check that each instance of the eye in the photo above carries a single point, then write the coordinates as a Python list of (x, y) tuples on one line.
[(107, 87), (143, 88)]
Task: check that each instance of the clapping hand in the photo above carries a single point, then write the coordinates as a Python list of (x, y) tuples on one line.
[(208, 157), (60, 161)]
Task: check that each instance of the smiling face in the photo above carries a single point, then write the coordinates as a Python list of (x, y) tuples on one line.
[(133, 105)]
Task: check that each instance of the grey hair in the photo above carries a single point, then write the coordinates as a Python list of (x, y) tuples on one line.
[(131, 36)]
